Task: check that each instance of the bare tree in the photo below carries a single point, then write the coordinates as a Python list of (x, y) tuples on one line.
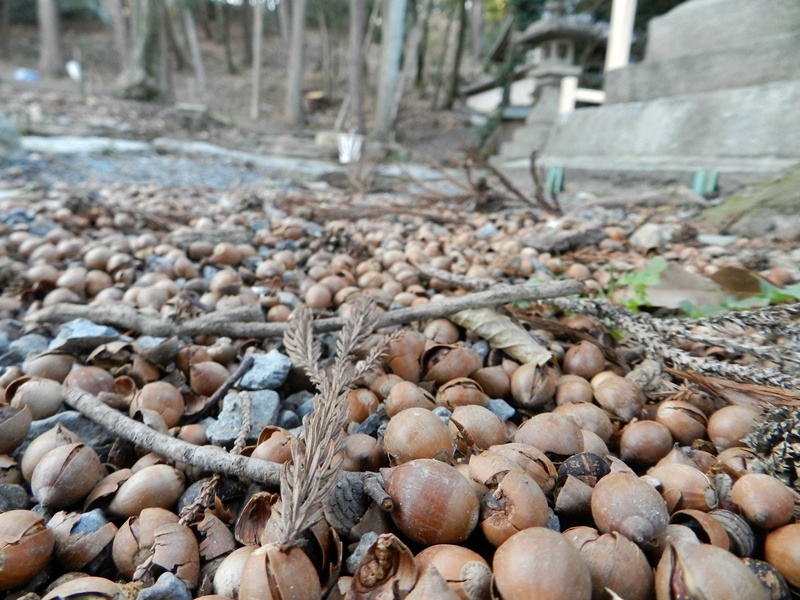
[(258, 22), (5, 28), (476, 27), (194, 45), (284, 20), (294, 80), (392, 47), (247, 32), (51, 61), (411, 55), (143, 78), (452, 91), (120, 28), (356, 66)]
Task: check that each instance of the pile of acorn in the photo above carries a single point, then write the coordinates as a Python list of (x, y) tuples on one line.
[(505, 480)]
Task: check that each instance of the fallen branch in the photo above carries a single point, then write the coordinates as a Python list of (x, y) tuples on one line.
[(233, 324), (207, 458)]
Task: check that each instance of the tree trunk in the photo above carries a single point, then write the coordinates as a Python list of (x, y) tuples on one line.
[(476, 27), (411, 55), (391, 49), (204, 20), (285, 20), (51, 61), (224, 33), (258, 23), (174, 42), (462, 32), (419, 78), (294, 79), (194, 46), (356, 66), (165, 66), (247, 32), (5, 28), (443, 59), (327, 50), (120, 27), (141, 80)]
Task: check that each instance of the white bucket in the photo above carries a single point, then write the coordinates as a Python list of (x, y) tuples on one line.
[(350, 147)]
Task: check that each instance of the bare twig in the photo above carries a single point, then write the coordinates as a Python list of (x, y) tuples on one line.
[(207, 458), (226, 324), (214, 399)]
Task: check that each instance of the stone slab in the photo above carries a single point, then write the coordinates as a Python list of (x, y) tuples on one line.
[(723, 130), (760, 60), (69, 144), (702, 26)]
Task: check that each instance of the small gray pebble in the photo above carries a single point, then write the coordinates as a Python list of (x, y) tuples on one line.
[(442, 413), (13, 497), (501, 408), (269, 371), (307, 407), (288, 419), (167, 587)]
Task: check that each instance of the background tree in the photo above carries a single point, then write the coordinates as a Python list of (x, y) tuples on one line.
[(142, 79), (355, 67), (391, 49), (51, 61), (452, 90), (294, 76), (120, 27)]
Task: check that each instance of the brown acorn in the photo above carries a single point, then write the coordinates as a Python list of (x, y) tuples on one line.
[(26, 545), (433, 503), (625, 503), (65, 475)]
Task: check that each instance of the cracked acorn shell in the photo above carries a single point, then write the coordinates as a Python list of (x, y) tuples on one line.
[(135, 538), (65, 475), (516, 502), (689, 569), (14, 426), (685, 487), (42, 444), (87, 587), (540, 563), (433, 502), (26, 545), (532, 386), (615, 563), (465, 571), (554, 434)]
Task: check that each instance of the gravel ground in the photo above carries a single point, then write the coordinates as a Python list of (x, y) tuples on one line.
[(156, 170)]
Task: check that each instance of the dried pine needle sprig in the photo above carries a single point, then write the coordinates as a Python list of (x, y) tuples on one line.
[(313, 469)]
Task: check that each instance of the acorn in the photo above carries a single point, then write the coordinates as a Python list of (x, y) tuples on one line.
[(782, 551), (685, 421), (433, 503), (65, 475), (540, 563), (162, 397), (465, 571), (515, 502), (26, 545), (625, 503), (644, 443), (554, 434), (80, 537), (619, 396), (443, 362), (156, 486), (136, 536), (584, 359), (417, 433), (42, 396), (461, 391), (765, 502), (532, 386), (685, 487), (477, 424), (605, 556), (689, 569), (14, 426), (405, 394), (404, 353), (728, 426)]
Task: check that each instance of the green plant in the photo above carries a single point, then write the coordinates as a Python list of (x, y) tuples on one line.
[(641, 280)]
